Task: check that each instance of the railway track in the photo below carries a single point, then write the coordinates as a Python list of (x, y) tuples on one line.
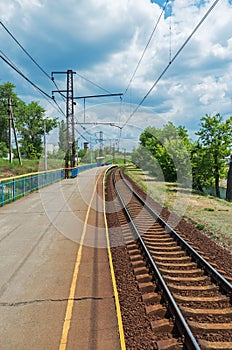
[(187, 300)]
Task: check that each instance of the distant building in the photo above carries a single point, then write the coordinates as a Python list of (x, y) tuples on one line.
[(86, 145), (52, 148), (100, 160), (8, 156)]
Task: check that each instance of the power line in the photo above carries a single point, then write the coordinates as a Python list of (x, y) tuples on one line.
[(24, 76), (81, 135), (145, 49), (91, 82), (7, 58), (171, 61), (43, 71), (61, 111), (12, 65), (26, 52), (33, 60), (99, 123)]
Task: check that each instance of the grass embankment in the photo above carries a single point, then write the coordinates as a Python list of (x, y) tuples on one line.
[(210, 214), (28, 166)]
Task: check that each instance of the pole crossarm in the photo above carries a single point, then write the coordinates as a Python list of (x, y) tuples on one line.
[(62, 73), (58, 91), (99, 123), (94, 96)]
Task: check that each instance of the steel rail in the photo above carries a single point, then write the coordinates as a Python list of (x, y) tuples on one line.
[(214, 274), (189, 339)]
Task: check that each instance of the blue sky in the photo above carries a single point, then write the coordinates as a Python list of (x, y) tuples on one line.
[(103, 42)]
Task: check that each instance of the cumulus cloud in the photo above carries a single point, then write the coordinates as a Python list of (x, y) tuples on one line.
[(104, 40)]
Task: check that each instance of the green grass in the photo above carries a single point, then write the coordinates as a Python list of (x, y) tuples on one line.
[(14, 168), (28, 166), (208, 213), (200, 226)]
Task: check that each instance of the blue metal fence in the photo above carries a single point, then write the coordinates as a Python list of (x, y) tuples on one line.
[(81, 168), (17, 187)]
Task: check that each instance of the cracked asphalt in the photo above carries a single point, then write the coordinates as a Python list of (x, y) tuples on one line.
[(39, 239)]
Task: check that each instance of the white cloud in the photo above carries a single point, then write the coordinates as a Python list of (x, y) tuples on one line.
[(103, 41), (210, 90)]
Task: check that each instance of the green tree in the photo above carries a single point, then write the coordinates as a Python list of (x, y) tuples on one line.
[(62, 136), (30, 125), (201, 168), (6, 92), (214, 140), (82, 153), (170, 147), (143, 159), (3, 150), (29, 120)]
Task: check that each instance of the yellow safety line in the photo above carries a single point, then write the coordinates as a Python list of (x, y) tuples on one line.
[(34, 173), (10, 178), (117, 304), (69, 309)]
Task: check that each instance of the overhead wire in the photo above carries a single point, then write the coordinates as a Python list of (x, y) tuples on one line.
[(12, 65), (28, 54), (92, 136), (81, 135), (91, 82), (24, 76), (85, 131), (61, 111), (170, 38), (7, 58), (45, 73), (145, 49), (171, 61), (143, 54)]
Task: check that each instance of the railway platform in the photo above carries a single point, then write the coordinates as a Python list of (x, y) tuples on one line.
[(56, 285)]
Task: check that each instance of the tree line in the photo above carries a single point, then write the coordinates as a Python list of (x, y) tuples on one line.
[(30, 122), (169, 154)]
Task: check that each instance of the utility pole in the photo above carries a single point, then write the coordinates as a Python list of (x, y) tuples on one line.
[(101, 144), (10, 127), (70, 115), (113, 153), (45, 147), (70, 135), (12, 124)]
